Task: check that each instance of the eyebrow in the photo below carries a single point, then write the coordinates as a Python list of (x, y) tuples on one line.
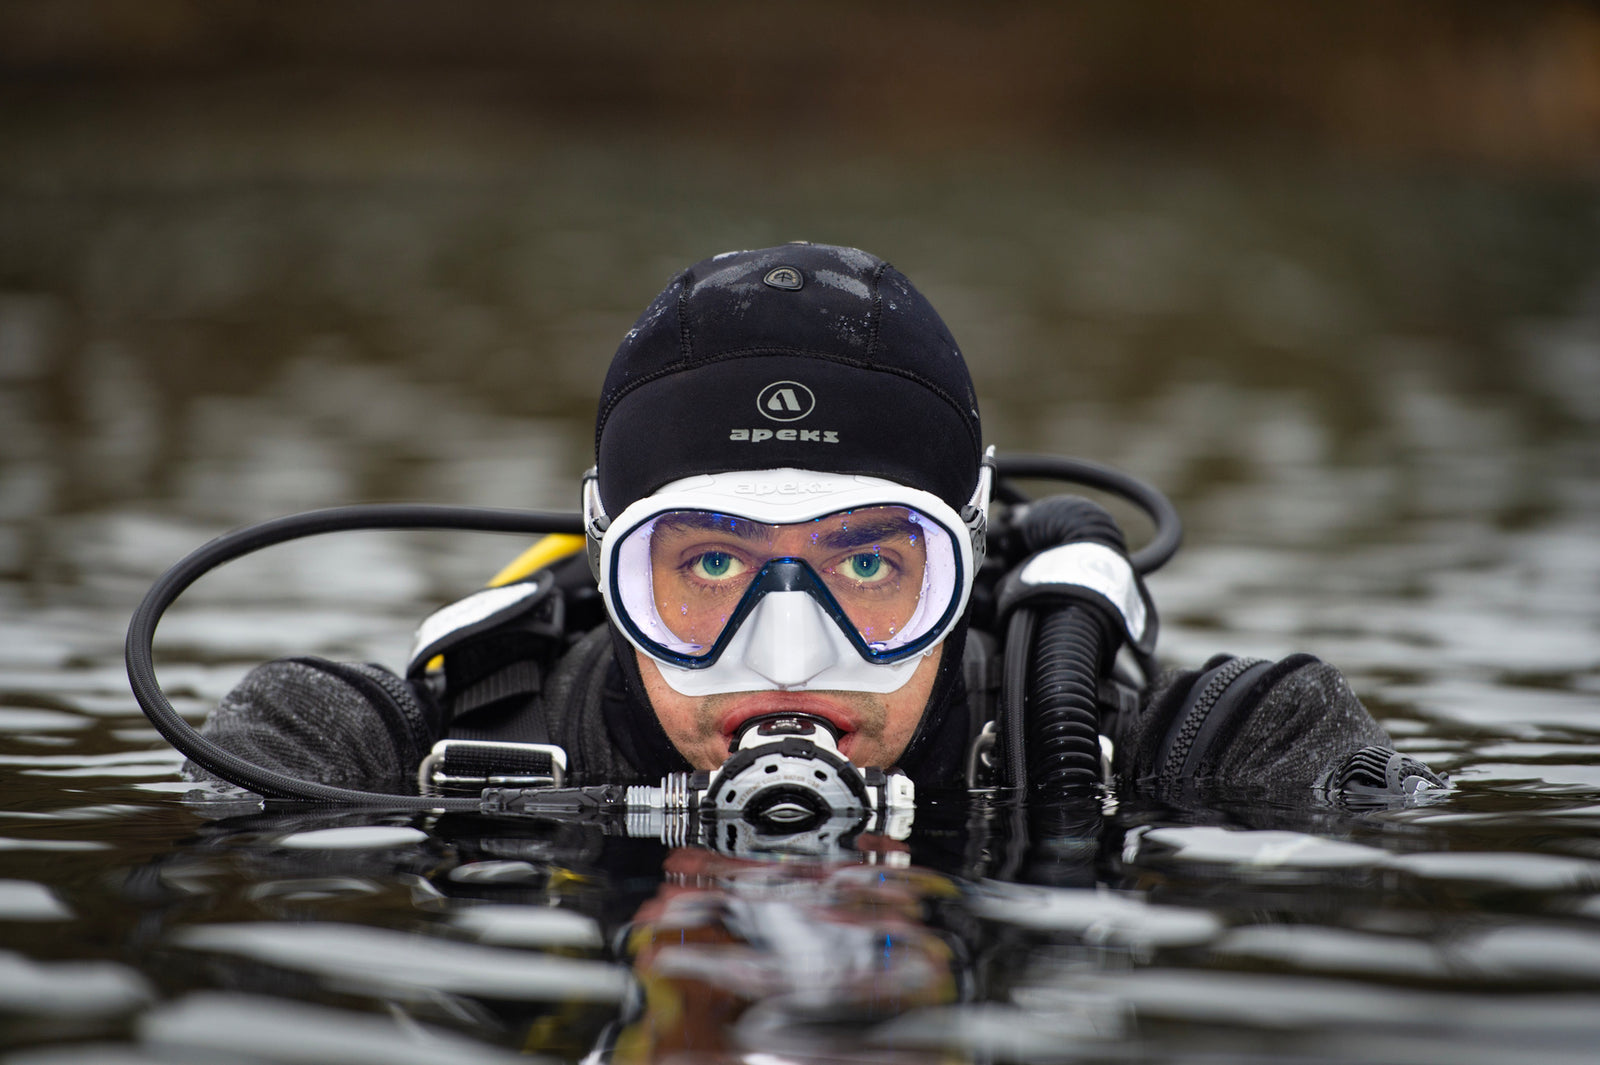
[(856, 533), (856, 530), (702, 521)]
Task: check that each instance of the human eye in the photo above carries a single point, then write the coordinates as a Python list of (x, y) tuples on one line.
[(866, 567), (715, 566)]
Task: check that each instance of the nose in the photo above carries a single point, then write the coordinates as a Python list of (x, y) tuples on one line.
[(789, 639)]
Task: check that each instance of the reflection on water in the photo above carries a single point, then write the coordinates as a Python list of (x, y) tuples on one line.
[(1376, 400)]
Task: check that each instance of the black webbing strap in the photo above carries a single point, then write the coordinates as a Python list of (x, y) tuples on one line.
[(467, 767), (519, 678)]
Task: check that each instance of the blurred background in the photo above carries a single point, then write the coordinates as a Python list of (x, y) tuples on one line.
[(1329, 274)]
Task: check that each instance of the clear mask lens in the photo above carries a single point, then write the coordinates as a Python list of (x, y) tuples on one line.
[(889, 576)]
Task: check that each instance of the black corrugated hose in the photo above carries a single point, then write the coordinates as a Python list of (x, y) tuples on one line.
[(1071, 644), (1063, 716), (1052, 725)]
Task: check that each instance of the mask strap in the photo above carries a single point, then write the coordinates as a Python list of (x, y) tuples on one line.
[(976, 513)]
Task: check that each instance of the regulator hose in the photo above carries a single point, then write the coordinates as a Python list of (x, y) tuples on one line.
[(1060, 737), (1013, 697), (1063, 732), (1169, 527), (1049, 703), (216, 760)]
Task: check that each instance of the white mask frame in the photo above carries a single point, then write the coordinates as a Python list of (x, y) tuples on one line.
[(788, 638)]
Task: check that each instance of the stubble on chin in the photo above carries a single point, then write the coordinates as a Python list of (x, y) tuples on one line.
[(694, 723)]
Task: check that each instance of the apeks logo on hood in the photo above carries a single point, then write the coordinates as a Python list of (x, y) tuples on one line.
[(785, 401)]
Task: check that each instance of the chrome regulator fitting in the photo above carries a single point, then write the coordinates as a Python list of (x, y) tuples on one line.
[(784, 780)]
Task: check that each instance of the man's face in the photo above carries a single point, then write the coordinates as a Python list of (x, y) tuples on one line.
[(875, 727), (871, 561)]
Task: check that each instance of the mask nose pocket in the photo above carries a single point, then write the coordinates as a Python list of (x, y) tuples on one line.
[(789, 641)]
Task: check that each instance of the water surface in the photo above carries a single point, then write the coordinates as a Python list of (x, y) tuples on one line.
[(1374, 395)]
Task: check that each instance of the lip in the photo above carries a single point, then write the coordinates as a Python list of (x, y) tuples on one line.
[(758, 703)]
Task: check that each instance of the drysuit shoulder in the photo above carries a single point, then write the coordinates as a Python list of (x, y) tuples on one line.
[(1255, 727), (345, 724)]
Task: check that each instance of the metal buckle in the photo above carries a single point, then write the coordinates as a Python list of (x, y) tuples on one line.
[(981, 757), (595, 519), (470, 766)]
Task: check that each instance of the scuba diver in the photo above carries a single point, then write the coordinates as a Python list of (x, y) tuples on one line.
[(793, 523)]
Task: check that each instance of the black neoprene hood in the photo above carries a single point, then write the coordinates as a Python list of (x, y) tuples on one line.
[(806, 355)]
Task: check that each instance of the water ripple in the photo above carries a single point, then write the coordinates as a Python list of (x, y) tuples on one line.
[(378, 961)]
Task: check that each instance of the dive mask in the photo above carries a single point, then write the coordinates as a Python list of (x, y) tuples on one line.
[(786, 579)]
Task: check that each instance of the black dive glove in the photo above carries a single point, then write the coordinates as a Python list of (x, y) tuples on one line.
[(1291, 728), (339, 723)]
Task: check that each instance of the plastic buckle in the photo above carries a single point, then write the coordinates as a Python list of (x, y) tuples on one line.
[(467, 767)]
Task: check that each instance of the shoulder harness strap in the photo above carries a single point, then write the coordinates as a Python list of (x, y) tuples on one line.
[(491, 651)]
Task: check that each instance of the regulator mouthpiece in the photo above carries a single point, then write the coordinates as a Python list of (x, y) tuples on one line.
[(784, 788)]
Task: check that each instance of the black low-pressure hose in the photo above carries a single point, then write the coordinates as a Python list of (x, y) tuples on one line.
[(1061, 727), (1013, 697), (226, 548)]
